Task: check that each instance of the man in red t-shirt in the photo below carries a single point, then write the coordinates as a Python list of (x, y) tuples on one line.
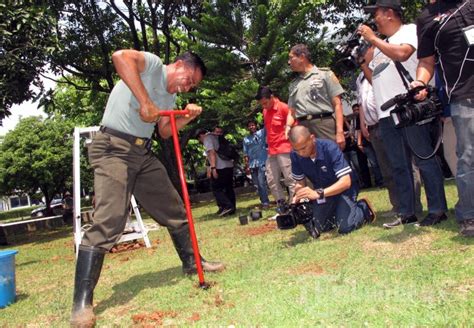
[(278, 161)]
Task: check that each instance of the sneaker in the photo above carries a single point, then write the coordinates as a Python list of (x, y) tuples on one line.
[(401, 220), (282, 206), (467, 228), (372, 216), (389, 214), (226, 211), (432, 219), (265, 206), (219, 211)]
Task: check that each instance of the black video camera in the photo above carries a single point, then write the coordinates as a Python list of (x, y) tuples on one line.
[(299, 213), (351, 51), (409, 111)]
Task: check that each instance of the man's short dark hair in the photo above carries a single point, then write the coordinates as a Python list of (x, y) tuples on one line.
[(301, 50), (251, 121), (199, 133), (264, 92), (355, 105), (193, 60)]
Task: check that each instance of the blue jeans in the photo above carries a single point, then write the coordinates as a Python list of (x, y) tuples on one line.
[(396, 143), (340, 211), (260, 181), (462, 114), (374, 163)]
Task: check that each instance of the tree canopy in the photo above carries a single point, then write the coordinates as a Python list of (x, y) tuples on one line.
[(37, 155), (244, 44)]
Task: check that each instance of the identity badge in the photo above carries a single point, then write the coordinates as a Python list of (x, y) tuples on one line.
[(469, 34)]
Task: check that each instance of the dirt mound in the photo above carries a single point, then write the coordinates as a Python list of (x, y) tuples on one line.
[(260, 230), (154, 318)]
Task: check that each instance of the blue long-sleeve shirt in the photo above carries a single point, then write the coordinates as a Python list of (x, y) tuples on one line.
[(255, 148)]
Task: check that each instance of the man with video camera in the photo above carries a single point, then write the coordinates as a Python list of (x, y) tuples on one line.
[(445, 40), (413, 139), (333, 198)]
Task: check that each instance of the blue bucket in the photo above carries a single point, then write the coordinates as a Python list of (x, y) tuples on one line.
[(7, 277)]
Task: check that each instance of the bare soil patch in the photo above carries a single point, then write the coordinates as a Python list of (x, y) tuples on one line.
[(308, 269), (152, 319), (260, 230)]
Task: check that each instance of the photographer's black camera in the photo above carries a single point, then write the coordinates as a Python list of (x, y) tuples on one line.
[(351, 52), (299, 213), (409, 111)]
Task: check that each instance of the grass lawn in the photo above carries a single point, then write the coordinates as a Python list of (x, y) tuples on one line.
[(406, 276)]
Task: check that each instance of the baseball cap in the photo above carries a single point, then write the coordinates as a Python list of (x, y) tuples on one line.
[(394, 4)]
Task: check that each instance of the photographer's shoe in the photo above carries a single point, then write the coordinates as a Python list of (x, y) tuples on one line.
[(401, 220), (432, 219), (467, 228), (282, 206), (371, 215)]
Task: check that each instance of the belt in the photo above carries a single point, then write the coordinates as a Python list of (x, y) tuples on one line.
[(314, 116), (140, 142), (371, 127)]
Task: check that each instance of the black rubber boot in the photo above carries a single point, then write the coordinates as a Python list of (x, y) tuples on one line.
[(88, 267), (182, 242)]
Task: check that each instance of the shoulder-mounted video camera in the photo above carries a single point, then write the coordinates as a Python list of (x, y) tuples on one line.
[(409, 111), (351, 51)]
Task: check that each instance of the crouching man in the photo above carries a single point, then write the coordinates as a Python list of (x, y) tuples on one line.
[(334, 195)]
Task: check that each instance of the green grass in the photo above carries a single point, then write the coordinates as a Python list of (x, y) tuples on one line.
[(406, 276)]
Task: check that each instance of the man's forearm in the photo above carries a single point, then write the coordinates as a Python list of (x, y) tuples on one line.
[(396, 52), (339, 186), (425, 69), (367, 71), (339, 117), (211, 154), (164, 125)]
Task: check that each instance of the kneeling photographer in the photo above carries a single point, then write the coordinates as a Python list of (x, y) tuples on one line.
[(333, 199), (400, 117)]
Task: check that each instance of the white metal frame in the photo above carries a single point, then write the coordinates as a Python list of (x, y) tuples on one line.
[(88, 133)]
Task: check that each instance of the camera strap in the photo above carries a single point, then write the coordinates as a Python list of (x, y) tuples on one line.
[(405, 76)]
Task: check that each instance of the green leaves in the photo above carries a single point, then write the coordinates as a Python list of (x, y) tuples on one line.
[(37, 154), (26, 38)]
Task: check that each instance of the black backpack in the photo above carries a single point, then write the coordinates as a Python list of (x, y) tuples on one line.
[(226, 150)]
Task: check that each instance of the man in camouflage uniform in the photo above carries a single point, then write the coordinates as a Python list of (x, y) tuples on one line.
[(315, 97)]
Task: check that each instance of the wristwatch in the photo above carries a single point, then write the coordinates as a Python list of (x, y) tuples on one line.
[(320, 192)]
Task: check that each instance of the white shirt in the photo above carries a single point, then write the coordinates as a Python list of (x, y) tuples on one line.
[(366, 100), (386, 80)]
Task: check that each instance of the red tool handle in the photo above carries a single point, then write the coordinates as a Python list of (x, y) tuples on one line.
[(177, 148)]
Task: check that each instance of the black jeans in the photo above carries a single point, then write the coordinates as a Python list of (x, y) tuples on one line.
[(223, 189)]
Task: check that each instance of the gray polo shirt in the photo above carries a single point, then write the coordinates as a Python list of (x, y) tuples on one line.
[(122, 110), (210, 142), (312, 92)]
